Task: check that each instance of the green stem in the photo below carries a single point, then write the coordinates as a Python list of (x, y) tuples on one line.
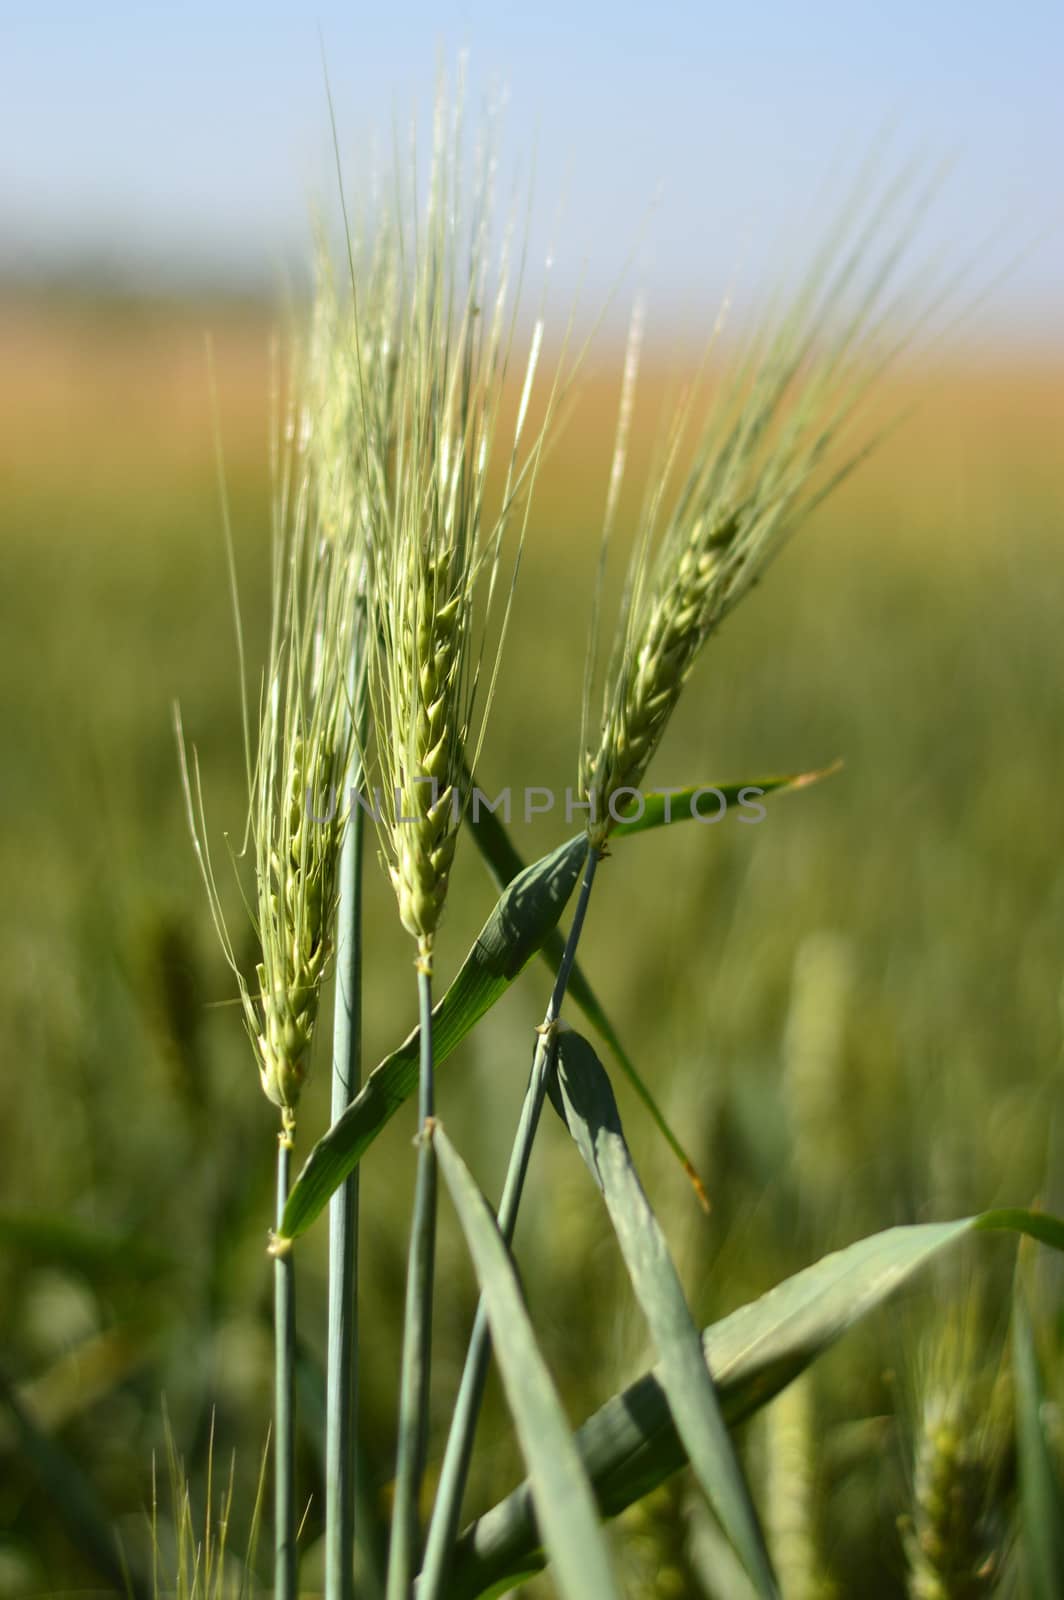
[(341, 1379), (284, 1328), (417, 1329), (443, 1528)]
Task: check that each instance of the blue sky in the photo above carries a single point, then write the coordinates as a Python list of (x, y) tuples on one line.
[(193, 135)]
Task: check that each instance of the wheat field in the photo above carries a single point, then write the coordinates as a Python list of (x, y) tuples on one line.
[(854, 1013)]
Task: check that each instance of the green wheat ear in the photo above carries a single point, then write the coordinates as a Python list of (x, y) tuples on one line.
[(294, 924), (654, 1541), (772, 446), (304, 739), (436, 531), (788, 1436)]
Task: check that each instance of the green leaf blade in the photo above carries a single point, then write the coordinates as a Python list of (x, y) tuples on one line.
[(630, 1444), (663, 809), (584, 1099), (560, 1491)]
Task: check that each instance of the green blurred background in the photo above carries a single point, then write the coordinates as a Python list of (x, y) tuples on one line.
[(852, 1012)]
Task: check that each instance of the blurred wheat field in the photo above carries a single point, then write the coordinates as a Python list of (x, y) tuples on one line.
[(853, 1012)]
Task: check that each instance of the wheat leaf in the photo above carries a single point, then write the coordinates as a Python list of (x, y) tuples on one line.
[(565, 1506), (630, 1444), (583, 1098)]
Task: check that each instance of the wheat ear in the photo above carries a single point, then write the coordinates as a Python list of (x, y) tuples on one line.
[(774, 443)]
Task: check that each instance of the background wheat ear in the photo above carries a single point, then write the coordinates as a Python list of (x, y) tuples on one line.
[(955, 1538), (788, 1440), (654, 1540)]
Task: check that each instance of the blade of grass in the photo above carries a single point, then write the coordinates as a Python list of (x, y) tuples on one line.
[(581, 1094), (585, 997), (562, 1496), (455, 1469), (662, 809), (630, 1444)]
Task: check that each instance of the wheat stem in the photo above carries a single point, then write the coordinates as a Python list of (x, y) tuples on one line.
[(443, 1528), (417, 1328), (342, 1353), (284, 1315)]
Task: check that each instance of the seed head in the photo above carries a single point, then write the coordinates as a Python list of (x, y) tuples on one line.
[(955, 1537), (770, 449), (435, 534), (296, 902), (304, 747)]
